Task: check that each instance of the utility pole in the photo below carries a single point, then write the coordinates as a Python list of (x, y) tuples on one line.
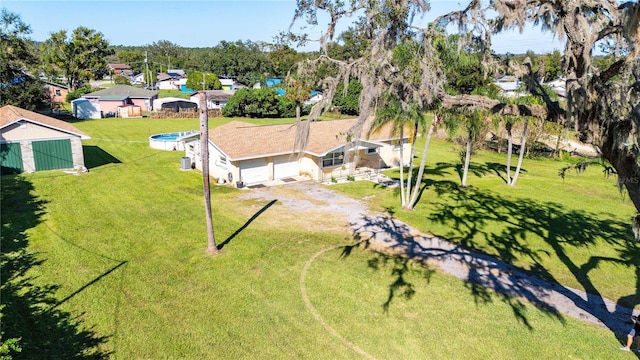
[(212, 247), (146, 64)]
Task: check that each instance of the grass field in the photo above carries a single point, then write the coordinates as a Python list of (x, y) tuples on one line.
[(110, 264)]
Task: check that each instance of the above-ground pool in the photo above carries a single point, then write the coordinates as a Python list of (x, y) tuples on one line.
[(168, 141)]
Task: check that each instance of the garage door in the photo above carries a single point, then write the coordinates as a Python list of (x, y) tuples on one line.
[(285, 166), (11, 158), (52, 154), (253, 171)]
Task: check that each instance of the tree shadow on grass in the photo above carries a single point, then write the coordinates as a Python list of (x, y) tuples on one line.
[(255, 216), (505, 227), (44, 332)]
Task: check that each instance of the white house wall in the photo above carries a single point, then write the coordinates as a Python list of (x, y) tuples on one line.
[(390, 155), (217, 169)]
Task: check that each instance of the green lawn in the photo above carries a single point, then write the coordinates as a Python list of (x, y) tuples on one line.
[(111, 264)]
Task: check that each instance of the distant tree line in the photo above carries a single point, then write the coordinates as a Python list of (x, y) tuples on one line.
[(76, 57)]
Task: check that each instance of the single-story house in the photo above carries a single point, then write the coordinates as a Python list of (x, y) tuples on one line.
[(82, 108), (57, 92), (245, 154), (559, 86), (216, 99), (509, 86), (173, 103), (117, 69), (32, 142), (170, 82), (227, 84), (177, 73), (137, 79), (110, 98), (315, 97)]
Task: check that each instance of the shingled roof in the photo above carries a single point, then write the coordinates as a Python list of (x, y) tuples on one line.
[(123, 90), (239, 140), (10, 114)]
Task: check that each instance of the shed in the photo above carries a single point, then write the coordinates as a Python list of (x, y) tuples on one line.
[(32, 142), (129, 111), (216, 99), (173, 103), (85, 109)]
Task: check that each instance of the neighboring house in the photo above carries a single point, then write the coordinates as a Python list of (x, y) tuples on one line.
[(111, 98), (559, 86), (57, 92), (509, 86), (169, 82), (34, 142), (137, 79), (117, 69), (245, 154), (216, 99), (173, 103), (315, 97), (227, 84), (179, 73), (271, 82)]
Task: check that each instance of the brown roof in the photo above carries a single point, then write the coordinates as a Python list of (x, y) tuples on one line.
[(240, 140), (10, 114), (216, 95), (119, 66)]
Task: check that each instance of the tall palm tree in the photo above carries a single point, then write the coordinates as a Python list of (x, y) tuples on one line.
[(402, 118)]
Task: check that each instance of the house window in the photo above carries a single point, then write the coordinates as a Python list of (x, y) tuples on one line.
[(222, 162), (217, 103), (58, 93), (372, 151), (333, 159)]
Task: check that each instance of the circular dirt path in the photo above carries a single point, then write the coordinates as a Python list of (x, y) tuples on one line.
[(384, 233)]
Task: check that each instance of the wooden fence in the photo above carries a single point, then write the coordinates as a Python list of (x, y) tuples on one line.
[(183, 113)]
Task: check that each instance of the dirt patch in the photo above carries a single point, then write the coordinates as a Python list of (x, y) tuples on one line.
[(302, 204)]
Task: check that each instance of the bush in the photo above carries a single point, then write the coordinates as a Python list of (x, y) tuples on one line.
[(254, 103), (77, 93), (121, 80)]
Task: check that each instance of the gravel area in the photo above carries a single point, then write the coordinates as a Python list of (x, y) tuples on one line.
[(388, 234)]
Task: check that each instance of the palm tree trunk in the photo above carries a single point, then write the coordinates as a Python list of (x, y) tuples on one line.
[(467, 159), (212, 247), (509, 153), (402, 198), (556, 151), (410, 175), (425, 149), (521, 155)]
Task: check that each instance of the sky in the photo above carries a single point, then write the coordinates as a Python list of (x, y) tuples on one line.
[(204, 23)]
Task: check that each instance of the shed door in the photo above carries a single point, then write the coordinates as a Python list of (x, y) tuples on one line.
[(285, 166), (52, 154), (11, 158), (253, 171)]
